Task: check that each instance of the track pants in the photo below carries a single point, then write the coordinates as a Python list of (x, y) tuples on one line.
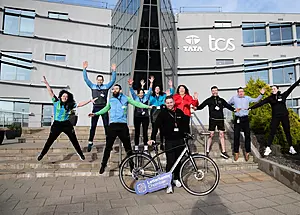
[(172, 155), (56, 129), (94, 122), (115, 130)]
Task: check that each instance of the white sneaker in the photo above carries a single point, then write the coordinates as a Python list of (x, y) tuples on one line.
[(292, 150), (267, 151), (169, 190), (177, 183)]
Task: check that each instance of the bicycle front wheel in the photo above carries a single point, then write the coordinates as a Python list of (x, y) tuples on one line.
[(199, 175), (134, 168)]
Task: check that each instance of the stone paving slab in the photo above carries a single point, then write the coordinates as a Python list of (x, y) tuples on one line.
[(105, 196)]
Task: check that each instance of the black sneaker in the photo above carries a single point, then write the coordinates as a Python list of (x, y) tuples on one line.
[(224, 155), (90, 146), (40, 157), (102, 169)]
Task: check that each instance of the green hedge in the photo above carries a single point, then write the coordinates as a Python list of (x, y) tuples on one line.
[(260, 118)]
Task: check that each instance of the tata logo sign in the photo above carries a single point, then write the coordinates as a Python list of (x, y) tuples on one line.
[(214, 44)]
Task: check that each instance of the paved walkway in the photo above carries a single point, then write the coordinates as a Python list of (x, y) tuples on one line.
[(239, 192)]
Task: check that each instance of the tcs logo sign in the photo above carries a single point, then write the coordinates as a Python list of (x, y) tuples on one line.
[(214, 44)]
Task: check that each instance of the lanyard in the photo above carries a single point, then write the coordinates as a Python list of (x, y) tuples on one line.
[(120, 101), (173, 117)]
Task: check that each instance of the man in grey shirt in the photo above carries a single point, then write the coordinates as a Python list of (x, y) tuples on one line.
[(241, 120)]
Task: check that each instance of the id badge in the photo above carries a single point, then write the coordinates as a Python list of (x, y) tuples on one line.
[(217, 108), (176, 129), (279, 100), (102, 95), (158, 107), (143, 113), (123, 107), (238, 121)]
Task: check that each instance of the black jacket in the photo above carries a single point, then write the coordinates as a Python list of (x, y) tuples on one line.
[(167, 121), (216, 106), (277, 102)]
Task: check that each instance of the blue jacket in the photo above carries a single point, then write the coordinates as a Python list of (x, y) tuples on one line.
[(118, 108), (160, 100), (100, 91)]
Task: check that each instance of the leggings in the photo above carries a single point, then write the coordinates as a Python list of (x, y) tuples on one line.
[(137, 124), (56, 129), (173, 154), (286, 127)]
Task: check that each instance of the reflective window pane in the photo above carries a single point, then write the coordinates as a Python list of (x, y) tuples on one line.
[(248, 36), (287, 33), (141, 62), (260, 35), (145, 16), (154, 61), (154, 39), (26, 26), (143, 38), (298, 31), (154, 17), (11, 25), (275, 34)]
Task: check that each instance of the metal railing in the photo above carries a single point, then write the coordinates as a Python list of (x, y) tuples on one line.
[(200, 9), (8, 117), (86, 3)]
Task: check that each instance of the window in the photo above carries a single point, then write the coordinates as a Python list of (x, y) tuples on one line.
[(55, 57), (15, 69), (47, 115), (6, 118), (222, 24), (19, 22), (281, 34), (224, 61), (298, 33), (256, 69), (54, 15), (285, 74), (254, 34), (292, 103)]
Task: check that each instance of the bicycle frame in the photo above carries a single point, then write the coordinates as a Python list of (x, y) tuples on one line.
[(186, 150)]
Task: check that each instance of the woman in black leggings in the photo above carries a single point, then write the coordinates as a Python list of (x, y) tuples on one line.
[(279, 114), (62, 108), (141, 115)]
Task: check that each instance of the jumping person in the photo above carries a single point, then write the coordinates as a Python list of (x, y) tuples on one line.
[(141, 115), (100, 91), (241, 120), (157, 99), (118, 106), (279, 114), (184, 101), (171, 122), (62, 108), (216, 118)]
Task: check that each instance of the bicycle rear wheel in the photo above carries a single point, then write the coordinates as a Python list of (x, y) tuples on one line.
[(201, 180), (134, 168)]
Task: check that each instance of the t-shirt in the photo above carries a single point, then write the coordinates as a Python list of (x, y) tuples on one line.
[(60, 113)]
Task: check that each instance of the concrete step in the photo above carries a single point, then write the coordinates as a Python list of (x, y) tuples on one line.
[(110, 171)]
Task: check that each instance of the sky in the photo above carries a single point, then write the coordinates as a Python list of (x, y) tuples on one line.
[(275, 6)]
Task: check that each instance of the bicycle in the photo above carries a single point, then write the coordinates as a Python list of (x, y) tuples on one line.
[(140, 166)]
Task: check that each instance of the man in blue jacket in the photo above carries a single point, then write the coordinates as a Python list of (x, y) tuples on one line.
[(100, 91), (118, 107)]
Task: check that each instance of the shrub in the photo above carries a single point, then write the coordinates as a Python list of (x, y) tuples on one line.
[(260, 118)]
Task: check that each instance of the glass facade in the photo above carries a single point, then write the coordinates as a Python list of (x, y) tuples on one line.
[(6, 118), (13, 69), (143, 41), (284, 73), (255, 69), (254, 33), (281, 34), (224, 61), (55, 57), (19, 22)]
